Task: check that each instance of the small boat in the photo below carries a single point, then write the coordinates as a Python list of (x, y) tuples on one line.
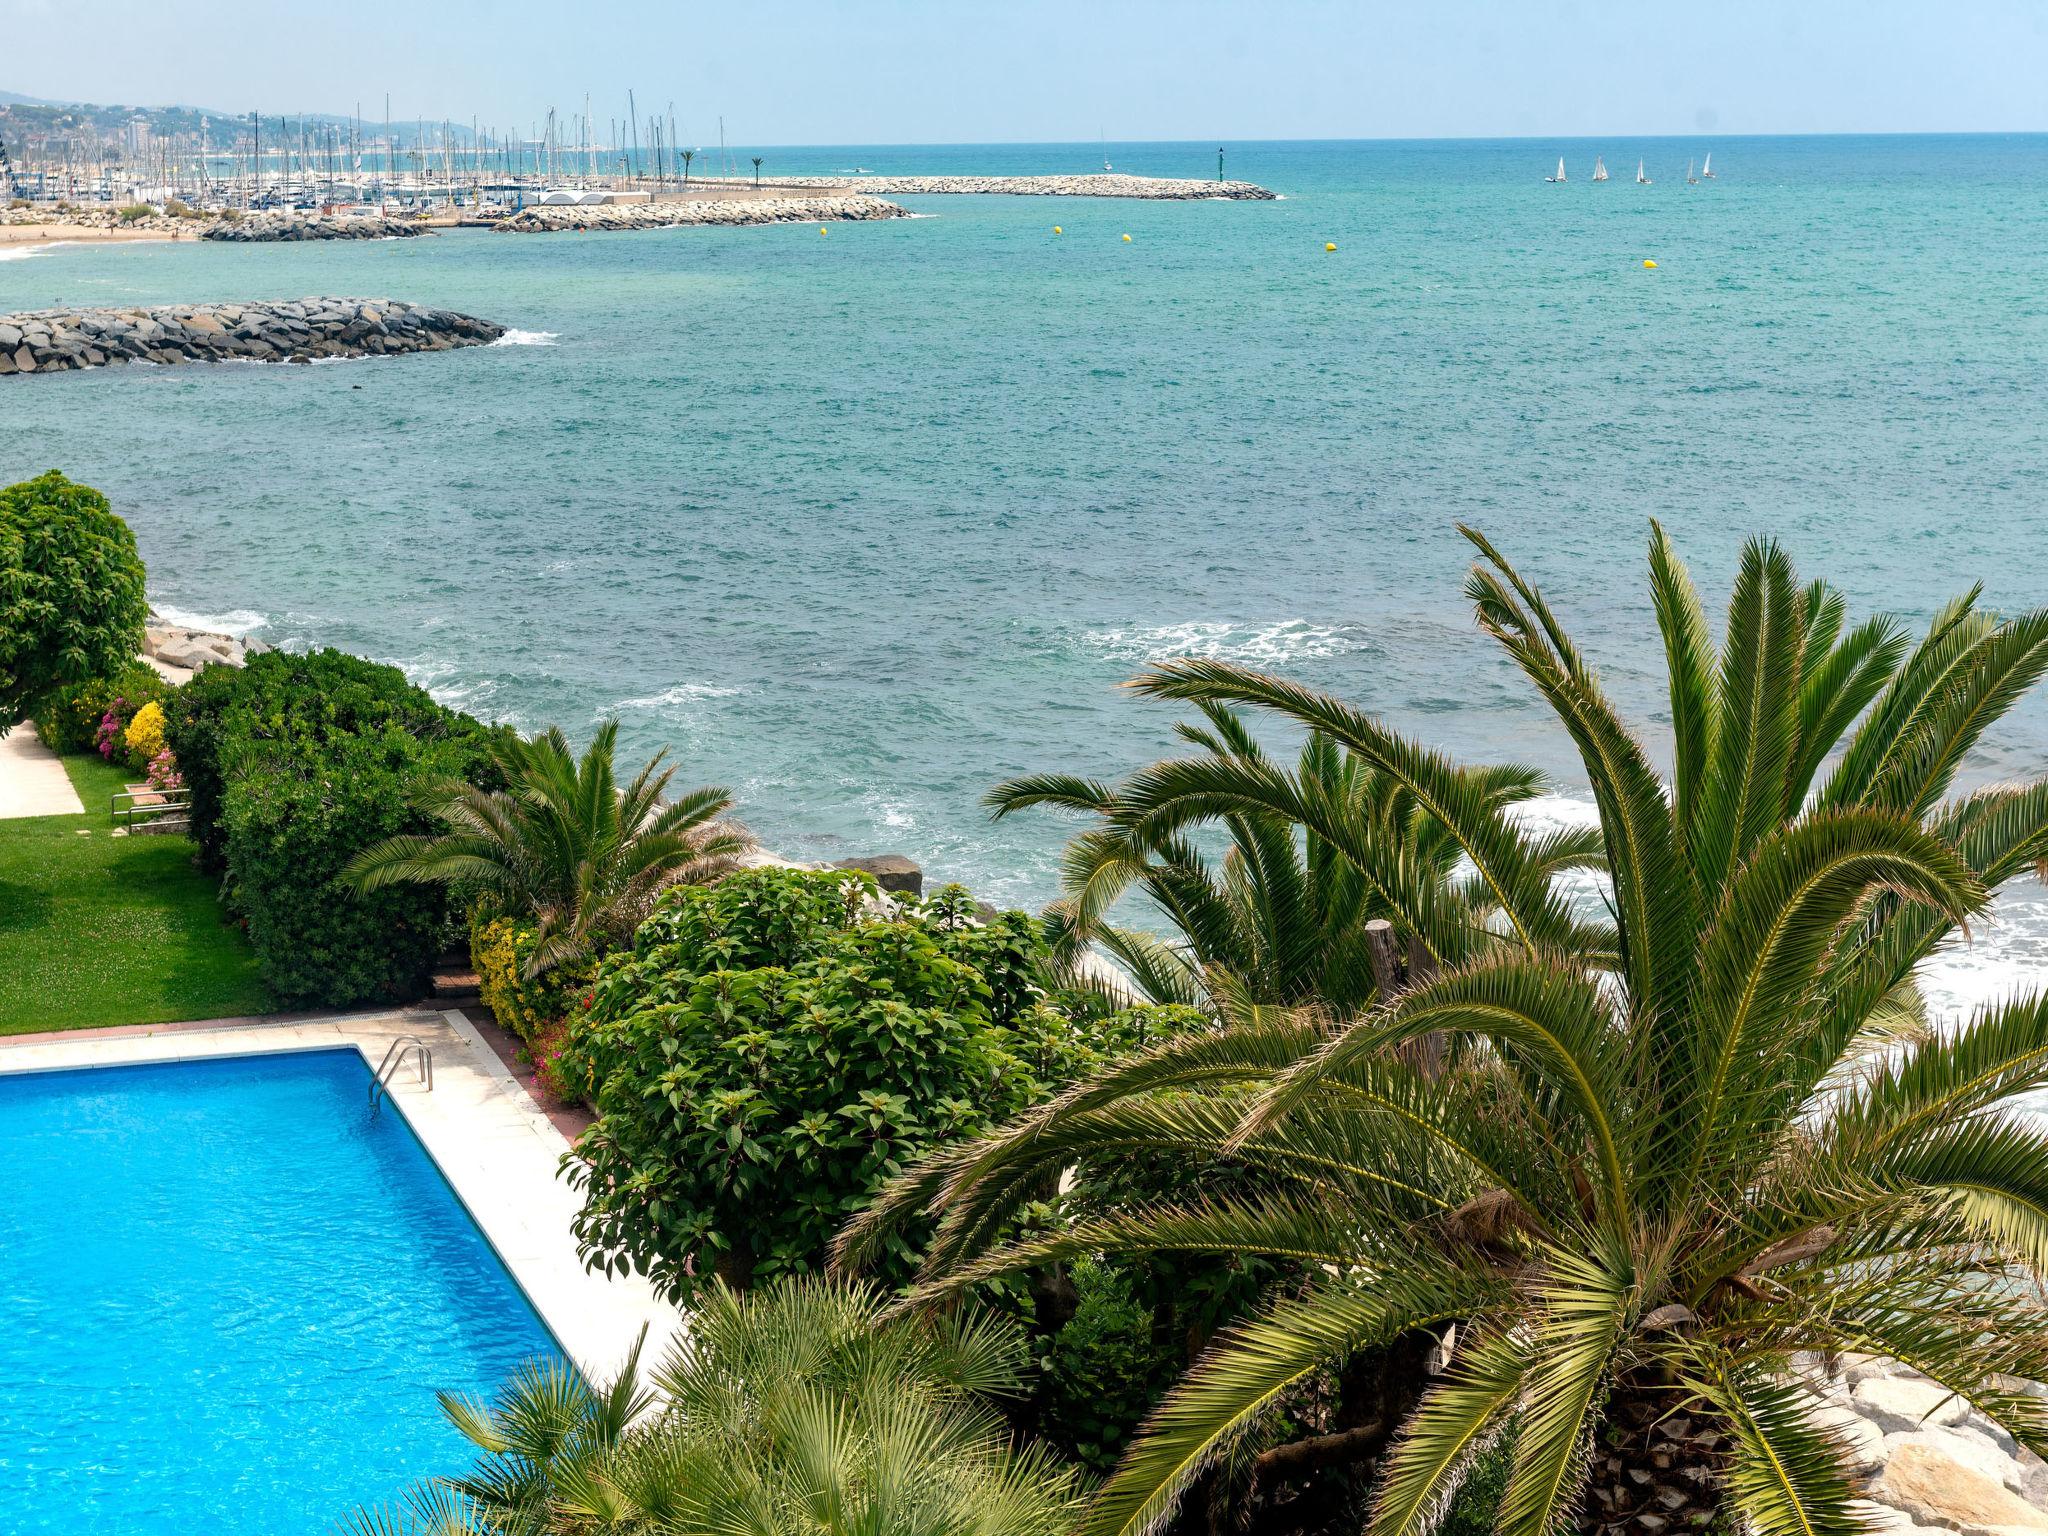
[(1707, 169), (1690, 179), (1599, 169), (1554, 180), (1641, 179)]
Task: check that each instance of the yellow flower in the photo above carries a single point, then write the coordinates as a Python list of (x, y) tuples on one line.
[(146, 733)]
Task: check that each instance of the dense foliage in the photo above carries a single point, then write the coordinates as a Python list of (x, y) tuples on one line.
[(561, 847), (71, 592), (796, 1410), (69, 720), (1649, 1170), (525, 1002), (296, 765), (774, 1047)]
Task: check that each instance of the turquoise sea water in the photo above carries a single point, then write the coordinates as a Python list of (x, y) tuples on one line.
[(861, 523), (230, 1292)]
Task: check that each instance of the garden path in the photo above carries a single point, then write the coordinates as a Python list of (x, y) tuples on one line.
[(32, 780)]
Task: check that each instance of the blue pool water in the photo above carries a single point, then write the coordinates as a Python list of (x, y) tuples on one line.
[(228, 1293)]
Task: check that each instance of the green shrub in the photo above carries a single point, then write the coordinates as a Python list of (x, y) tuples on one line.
[(69, 719), (71, 592), (1102, 1371), (529, 1006), (296, 764), (226, 714), (296, 812), (773, 1048), (134, 211)]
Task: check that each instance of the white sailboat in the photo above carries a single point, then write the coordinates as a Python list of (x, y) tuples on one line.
[(1641, 179), (1553, 180), (1599, 169), (1707, 169), (1690, 179)]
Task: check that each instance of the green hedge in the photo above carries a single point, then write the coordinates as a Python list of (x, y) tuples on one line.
[(296, 764)]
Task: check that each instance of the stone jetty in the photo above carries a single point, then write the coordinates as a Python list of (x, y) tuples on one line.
[(1100, 184), (666, 215), (272, 227), (55, 340)]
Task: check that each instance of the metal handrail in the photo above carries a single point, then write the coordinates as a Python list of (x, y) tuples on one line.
[(163, 803), (394, 1058)]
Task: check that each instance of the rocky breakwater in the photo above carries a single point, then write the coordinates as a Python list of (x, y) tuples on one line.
[(56, 340), (767, 210), (310, 227), (1929, 1464), (1100, 184)]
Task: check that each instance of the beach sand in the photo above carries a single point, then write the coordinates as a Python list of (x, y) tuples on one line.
[(50, 234)]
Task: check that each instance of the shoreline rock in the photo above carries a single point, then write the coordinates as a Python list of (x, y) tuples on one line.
[(542, 220), (269, 227), (300, 331)]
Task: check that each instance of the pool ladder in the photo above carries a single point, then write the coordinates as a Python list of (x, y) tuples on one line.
[(394, 1058)]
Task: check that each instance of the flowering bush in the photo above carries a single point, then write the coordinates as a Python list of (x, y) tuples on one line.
[(145, 734), (109, 737), (163, 772), (70, 720)]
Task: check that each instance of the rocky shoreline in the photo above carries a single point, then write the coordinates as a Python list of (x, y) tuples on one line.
[(311, 227), (58, 340), (1100, 184), (772, 210)]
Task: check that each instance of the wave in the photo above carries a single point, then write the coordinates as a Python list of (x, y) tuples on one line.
[(671, 698), (1285, 641), (519, 338), (236, 621), (21, 252)]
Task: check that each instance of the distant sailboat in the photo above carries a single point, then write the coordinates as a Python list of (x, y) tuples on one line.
[(1707, 170), (1599, 169), (1560, 172), (1641, 179), (1690, 179)]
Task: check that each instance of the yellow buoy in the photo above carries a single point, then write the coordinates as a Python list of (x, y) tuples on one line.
[(821, 229), (1127, 239), (1057, 230), (1329, 245), (1648, 263)]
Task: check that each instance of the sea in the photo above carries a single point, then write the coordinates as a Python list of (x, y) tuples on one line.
[(861, 521)]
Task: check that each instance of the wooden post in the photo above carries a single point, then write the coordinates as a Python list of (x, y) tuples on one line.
[(1385, 956)]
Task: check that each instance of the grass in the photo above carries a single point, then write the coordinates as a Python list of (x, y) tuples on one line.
[(97, 929)]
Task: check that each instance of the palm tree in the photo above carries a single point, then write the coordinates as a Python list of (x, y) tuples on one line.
[(1317, 861), (1654, 1185), (688, 156), (757, 172), (796, 1410), (562, 845)]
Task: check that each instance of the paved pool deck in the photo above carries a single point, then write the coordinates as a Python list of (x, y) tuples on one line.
[(32, 778), (493, 1143)]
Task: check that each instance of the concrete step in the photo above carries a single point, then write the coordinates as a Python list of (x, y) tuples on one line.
[(454, 987)]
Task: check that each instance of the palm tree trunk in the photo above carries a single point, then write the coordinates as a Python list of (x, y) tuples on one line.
[(1655, 1471)]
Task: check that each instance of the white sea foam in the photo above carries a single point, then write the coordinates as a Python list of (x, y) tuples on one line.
[(236, 621), (681, 694), (1281, 642), (518, 338), (21, 252)]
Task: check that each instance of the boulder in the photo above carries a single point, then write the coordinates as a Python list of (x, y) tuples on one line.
[(1908, 1403), (1863, 1440), (1965, 1450), (892, 872), (1933, 1490)]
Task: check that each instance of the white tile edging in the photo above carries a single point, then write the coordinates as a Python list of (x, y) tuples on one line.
[(491, 1142)]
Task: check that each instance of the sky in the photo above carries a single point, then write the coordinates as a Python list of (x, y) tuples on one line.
[(921, 71)]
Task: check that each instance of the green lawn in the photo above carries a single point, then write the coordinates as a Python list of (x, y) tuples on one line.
[(97, 929)]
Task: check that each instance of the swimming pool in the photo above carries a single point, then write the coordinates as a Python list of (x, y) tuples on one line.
[(228, 1293)]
